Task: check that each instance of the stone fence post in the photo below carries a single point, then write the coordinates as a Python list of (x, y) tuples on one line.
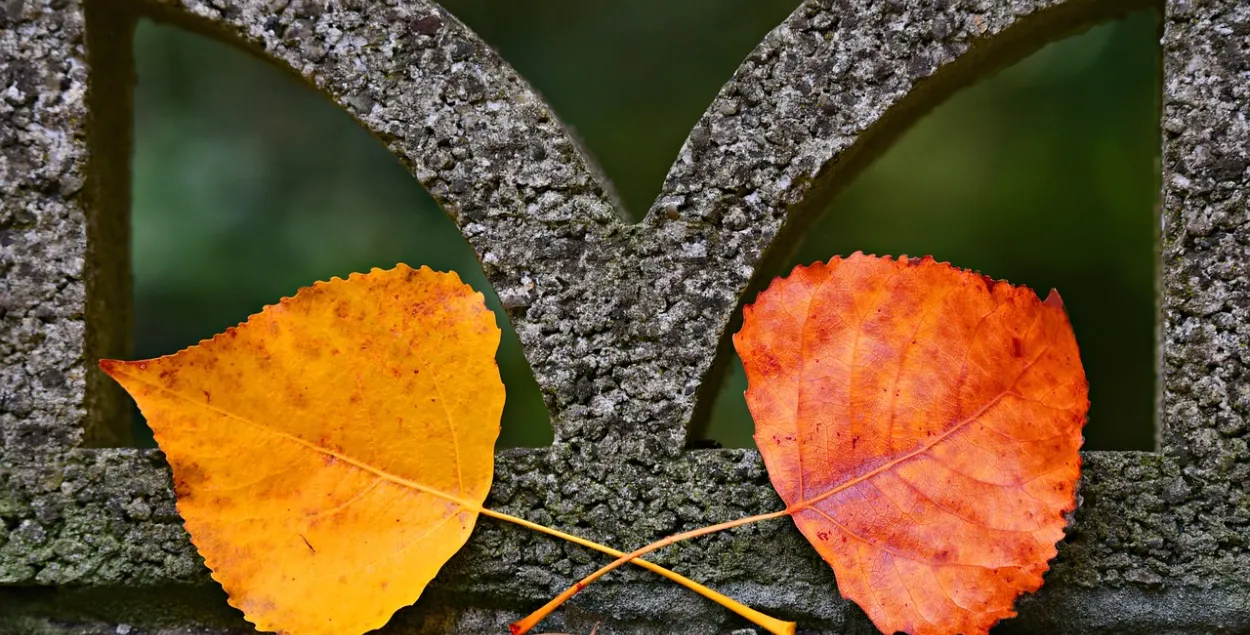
[(625, 325)]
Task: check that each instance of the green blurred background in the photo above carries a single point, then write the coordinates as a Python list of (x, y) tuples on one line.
[(248, 185)]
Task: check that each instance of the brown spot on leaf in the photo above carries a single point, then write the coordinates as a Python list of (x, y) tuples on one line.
[(296, 397), (988, 282), (188, 475), (767, 363)]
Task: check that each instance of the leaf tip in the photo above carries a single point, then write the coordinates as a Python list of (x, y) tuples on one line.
[(115, 367), (1054, 300)]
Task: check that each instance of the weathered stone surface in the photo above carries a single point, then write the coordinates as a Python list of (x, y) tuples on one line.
[(43, 157), (625, 325), (48, 398), (1206, 262)]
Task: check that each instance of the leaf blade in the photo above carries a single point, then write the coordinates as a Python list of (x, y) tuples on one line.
[(870, 381), (407, 357)]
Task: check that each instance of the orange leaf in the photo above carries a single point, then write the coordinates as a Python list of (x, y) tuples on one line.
[(921, 423), (334, 451)]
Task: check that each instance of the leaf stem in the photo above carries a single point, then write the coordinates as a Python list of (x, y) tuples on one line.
[(772, 625)]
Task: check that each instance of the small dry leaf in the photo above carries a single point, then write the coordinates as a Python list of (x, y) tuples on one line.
[(334, 451)]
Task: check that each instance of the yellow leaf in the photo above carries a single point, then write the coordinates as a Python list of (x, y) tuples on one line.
[(334, 451)]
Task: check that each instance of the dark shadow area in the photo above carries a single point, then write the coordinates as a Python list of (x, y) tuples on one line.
[(248, 185), (1046, 175), (106, 198)]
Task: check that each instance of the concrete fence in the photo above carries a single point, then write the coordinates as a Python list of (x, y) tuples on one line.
[(625, 325)]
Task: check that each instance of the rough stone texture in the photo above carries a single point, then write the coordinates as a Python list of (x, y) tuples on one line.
[(1206, 261), (43, 156), (625, 325), (45, 388)]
